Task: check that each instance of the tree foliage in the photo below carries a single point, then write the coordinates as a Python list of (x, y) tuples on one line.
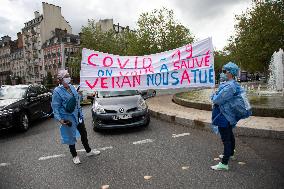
[(49, 79), (8, 80), (259, 32), (157, 32), (220, 59)]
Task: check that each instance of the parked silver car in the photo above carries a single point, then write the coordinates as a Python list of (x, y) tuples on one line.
[(119, 109)]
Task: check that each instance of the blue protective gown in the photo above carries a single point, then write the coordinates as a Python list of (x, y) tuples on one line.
[(223, 98), (60, 98)]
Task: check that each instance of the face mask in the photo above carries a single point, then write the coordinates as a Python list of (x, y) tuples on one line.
[(67, 80), (223, 77)]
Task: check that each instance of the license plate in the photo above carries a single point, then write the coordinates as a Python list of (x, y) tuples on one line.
[(124, 116)]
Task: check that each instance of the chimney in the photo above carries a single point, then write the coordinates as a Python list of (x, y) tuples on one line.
[(36, 14), (20, 40)]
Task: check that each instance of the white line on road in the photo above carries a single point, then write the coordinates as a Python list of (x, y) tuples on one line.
[(143, 141), (49, 157), (105, 148), (180, 135), (101, 149), (4, 164), (81, 150)]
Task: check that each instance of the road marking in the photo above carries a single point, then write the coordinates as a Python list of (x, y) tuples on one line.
[(101, 149), (185, 167), (4, 164), (143, 141), (105, 187), (49, 157), (105, 148), (82, 150), (180, 135), (147, 177)]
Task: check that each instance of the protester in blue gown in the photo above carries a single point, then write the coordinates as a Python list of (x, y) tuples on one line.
[(67, 111), (223, 114)]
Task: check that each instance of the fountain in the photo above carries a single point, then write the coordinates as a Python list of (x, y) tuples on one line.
[(267, 101), (275, 81)]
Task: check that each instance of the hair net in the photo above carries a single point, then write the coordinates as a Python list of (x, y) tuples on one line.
[(61, 74), (232, 68)]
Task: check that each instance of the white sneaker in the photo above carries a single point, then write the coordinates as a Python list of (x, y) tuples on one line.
[(93, 152), (220, 166), (76, 160)]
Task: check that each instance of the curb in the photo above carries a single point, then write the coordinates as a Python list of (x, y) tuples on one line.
[(256, 110), (205, 126)]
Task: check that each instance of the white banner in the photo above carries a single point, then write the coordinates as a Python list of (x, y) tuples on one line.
[(187, 66)]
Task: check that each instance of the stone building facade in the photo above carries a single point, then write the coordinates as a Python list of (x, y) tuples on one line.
[(59, 50), (35, 33), (5, 65)]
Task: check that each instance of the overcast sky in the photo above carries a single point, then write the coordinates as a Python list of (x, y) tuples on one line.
[(205, 18)]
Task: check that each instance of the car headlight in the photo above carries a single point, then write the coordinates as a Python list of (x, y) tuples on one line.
[(98, 108), (141, 104), (6, 112)]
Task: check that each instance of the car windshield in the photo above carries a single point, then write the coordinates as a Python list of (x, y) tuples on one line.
[(106, 94), (12, 92)]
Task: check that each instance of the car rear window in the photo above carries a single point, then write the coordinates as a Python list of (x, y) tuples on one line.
[(106, 94)]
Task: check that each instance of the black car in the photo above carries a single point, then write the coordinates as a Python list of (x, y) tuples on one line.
[(119, 109), (20, 104)]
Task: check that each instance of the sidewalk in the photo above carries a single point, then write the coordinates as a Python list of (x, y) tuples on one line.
[(163, 108)]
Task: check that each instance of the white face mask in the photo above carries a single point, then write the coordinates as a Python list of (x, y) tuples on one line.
[(67, 80)]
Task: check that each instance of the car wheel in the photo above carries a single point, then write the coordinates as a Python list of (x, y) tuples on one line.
[(148, 122), (24, 122), (50, 113), (95, 127)]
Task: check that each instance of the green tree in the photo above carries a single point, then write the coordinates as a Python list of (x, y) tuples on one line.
[(74, 67), (49, 79), (220, 59), (259, 32), (158, 31), (93, 37), (20, 80), (8, 80)]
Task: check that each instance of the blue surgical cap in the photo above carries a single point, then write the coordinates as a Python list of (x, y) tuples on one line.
[(232, 68)]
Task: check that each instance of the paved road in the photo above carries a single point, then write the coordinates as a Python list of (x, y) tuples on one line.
[(129, 155)]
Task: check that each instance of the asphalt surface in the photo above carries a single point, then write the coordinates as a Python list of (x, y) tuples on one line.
[(172, 160)]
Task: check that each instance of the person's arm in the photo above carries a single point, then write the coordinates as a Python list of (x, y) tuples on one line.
[(81, 112), (56, 103), (79, 106), (224, 95)]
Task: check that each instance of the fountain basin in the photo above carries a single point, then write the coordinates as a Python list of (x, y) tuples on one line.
[(264, 106)]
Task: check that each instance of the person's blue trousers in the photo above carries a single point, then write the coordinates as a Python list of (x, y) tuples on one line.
[(228, 140)]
